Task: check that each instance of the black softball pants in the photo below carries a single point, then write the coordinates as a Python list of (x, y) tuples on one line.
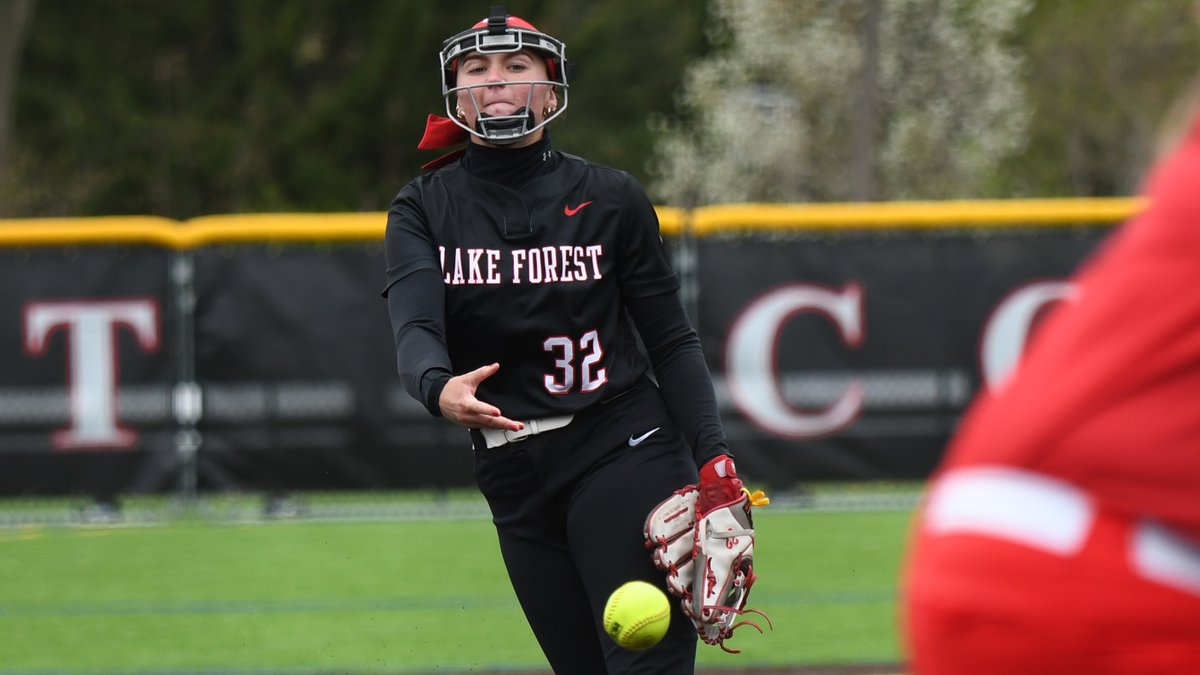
[(569, 506)]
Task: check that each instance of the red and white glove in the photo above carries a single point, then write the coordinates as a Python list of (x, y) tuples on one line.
[(702, 536)]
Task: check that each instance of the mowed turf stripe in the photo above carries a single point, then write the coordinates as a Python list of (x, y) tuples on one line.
[(260, 607), (384, 605)]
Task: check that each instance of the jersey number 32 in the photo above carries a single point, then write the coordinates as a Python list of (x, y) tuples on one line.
[(564, 349)]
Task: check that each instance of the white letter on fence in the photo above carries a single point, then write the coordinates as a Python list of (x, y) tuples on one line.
[(90, 329), (750, 359), (1007, 331)]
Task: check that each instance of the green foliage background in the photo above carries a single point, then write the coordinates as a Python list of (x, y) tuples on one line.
[(1105, 78), (224, 106)]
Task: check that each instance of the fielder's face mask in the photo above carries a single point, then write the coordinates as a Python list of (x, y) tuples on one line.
[(501, 33)]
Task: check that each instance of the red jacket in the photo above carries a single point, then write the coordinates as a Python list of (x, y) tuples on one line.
[(1108, 394)]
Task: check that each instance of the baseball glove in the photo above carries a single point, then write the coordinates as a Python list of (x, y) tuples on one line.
[(702, 536)]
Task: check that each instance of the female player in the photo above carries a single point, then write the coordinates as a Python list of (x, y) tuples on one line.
[(516, 276)]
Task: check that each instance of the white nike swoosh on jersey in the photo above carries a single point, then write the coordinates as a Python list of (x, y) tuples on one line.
[(638, 439)]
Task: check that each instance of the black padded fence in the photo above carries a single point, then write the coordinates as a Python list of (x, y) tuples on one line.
[(253, 353)]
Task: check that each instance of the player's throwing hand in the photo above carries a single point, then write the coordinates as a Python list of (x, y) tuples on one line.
[(460, 406)]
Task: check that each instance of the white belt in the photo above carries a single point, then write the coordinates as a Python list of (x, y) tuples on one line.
[(1053, 516), (497, 437)]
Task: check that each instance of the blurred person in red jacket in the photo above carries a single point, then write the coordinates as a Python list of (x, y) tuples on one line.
[(1061, 534)]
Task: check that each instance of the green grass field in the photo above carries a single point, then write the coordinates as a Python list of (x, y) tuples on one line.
[(387, 596)]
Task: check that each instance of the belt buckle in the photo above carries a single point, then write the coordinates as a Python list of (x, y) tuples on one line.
[(517, 436)]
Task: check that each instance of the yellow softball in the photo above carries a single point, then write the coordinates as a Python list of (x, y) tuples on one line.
[(637, 615)]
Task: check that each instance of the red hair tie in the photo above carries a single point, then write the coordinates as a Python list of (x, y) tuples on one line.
[(441, 132)]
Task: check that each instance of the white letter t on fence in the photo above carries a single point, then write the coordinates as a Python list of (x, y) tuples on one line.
[(90, 328)]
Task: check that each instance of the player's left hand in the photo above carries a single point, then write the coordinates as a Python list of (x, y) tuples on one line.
[(711, 570)]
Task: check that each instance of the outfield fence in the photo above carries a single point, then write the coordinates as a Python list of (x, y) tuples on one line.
[(251, 354)]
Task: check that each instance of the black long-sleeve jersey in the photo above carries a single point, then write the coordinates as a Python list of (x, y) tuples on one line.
[(536, 260)]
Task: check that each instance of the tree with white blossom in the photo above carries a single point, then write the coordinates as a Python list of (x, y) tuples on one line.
[(838, 100)]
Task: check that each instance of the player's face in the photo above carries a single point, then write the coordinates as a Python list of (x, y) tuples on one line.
[(487, 76)]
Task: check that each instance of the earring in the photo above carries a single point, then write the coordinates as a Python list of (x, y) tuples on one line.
[(459, 112), (549, 110)]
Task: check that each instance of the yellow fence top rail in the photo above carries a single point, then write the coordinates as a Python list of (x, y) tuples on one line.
[(703, 221), (102, 230), (286, 227), (908, 215), (269, 227)]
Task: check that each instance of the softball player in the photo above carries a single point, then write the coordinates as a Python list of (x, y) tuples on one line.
[(1062, 533), (516, 275)]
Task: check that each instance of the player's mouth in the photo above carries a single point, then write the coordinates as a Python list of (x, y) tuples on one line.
[(499, 108)]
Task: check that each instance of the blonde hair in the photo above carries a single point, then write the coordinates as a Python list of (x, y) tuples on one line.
[(1182, 114), (1179, 119)]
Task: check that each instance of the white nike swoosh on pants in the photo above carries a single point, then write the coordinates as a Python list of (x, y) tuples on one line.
[(635, 440)]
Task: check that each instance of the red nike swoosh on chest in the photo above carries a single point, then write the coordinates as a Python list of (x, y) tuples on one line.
[(572, 211)]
